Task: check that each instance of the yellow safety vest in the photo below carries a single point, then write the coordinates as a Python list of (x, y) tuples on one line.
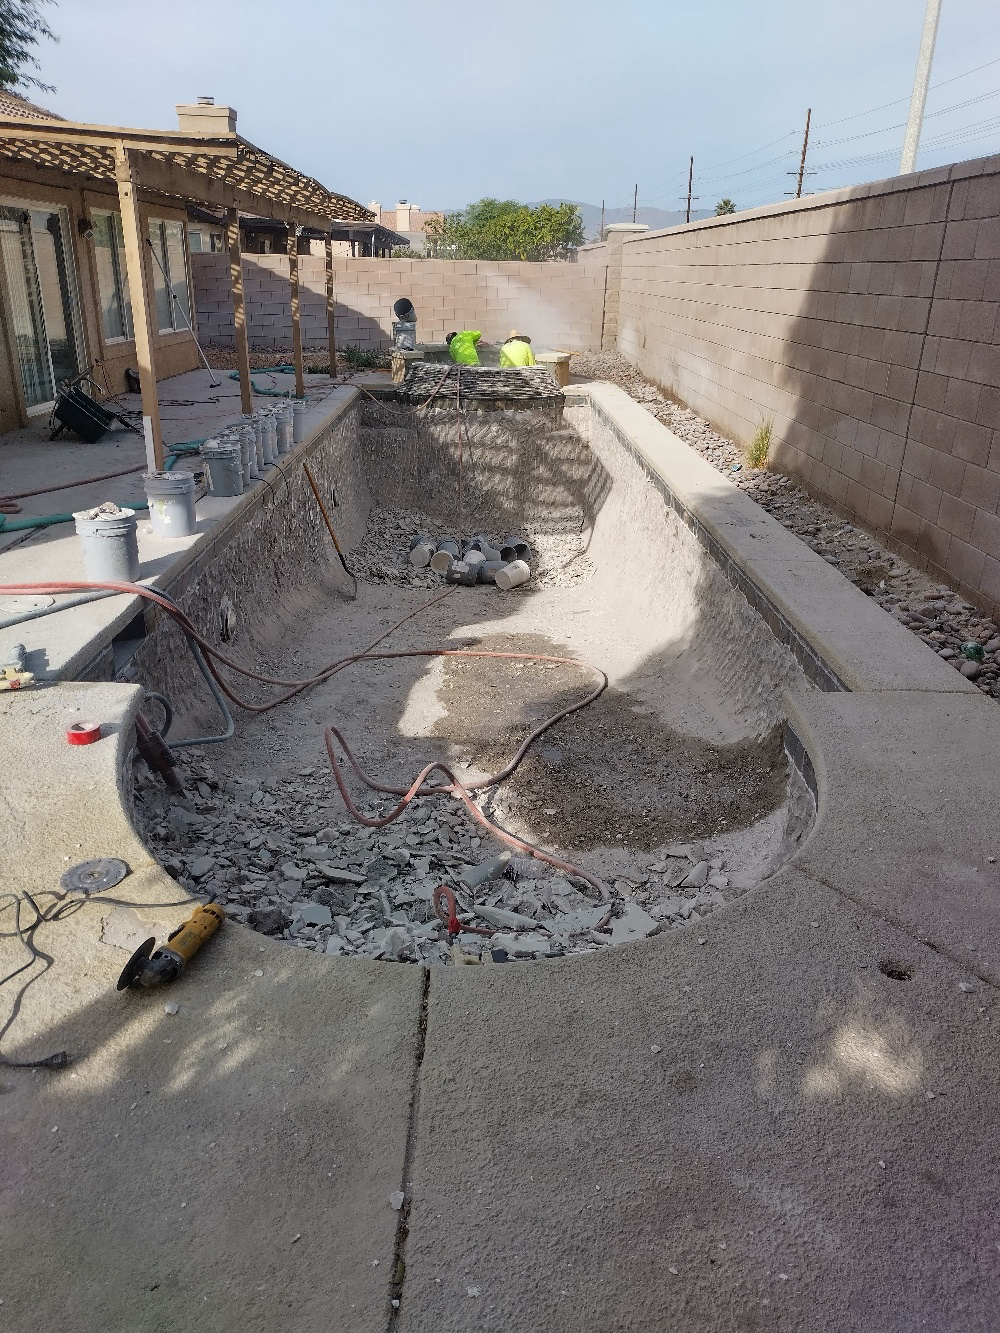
[(516, 353)]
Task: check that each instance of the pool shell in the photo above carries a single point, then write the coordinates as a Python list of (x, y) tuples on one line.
[(668, 543)]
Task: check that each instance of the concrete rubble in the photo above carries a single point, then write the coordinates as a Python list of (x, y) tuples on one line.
[(283, 859)]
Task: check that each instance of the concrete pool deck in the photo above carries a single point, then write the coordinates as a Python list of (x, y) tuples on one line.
[(744, 1124)]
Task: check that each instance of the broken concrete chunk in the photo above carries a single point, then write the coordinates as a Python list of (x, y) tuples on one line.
[(315, 914), (584, 918), (696, 876), (499, 916), (339, 876), (473, 876), (125, 929), (634, 925)]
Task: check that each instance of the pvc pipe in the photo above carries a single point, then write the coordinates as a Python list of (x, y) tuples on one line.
[(515, 548), (488, 570), (298, 420)]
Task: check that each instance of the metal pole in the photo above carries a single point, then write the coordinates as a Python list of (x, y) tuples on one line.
[(802, 160), (690, 186), (635, 202), (921, 81), (600, 234)]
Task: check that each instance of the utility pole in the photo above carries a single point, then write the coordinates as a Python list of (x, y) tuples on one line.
[(802, 159), (921, 81), (635, 202), (600, 234), (690, 184)]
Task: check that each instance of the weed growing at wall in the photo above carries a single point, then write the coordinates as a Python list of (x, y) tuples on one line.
[(759, 448)]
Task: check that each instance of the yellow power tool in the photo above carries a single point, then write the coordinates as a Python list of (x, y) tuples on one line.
[(149, 968)]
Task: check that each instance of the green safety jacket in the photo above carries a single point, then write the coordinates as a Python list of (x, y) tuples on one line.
[(516, 353), (463, 348)]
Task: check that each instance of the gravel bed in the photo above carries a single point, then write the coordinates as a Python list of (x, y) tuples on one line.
[(953, 627), (557, 559), (283, 858)]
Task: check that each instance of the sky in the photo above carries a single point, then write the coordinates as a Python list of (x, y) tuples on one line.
[(443, 102)]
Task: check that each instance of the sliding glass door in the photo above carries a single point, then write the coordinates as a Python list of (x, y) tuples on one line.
[(41, 295)]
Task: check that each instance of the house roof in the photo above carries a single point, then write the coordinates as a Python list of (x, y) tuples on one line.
[(12, 106), (224, 170)]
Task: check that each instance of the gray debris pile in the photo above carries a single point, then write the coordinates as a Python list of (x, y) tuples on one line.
[(555, 559), (932, 610), (282, 858)]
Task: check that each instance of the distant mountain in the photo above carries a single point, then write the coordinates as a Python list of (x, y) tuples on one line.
[(654, 218)]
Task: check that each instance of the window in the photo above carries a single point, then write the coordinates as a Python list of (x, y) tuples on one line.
[(170, 282), (109, 253), (201, 241)]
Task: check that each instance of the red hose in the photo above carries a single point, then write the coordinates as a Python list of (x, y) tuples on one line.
[(454, 786)]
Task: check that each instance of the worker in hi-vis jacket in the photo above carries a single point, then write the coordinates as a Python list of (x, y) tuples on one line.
[(516, 351), (463, 347)]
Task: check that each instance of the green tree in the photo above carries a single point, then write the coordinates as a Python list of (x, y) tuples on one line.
[(22, 27), (724, 206), (504, 229)]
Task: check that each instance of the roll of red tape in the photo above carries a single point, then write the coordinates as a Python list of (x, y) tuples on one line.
[(84, 733)]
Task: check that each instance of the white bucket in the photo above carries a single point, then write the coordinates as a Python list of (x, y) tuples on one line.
[(512, 575), (171, 503), (420, 555), (110, 546), (299, 419)]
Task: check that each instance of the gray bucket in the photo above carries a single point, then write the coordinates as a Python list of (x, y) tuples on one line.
[(487, 571), (110, 546), (447, 552), (171, 503), (299, 419), (420, 555), (515, 548), (224, 465), (248, 440), (459, 572)]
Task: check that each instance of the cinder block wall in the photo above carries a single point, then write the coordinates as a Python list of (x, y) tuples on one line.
[(864, 324), (558, 305)]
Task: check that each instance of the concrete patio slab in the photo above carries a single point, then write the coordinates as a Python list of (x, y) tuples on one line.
[(740, 1125), (227, 1167)]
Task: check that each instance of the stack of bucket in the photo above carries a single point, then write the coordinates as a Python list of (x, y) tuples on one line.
[(238, 456), (475, 560)]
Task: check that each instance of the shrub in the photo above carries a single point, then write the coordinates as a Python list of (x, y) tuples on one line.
[(759, 448)]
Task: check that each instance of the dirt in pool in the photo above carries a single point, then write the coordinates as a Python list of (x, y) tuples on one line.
[(613, 772)]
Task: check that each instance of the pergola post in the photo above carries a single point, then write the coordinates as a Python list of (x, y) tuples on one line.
[(331, 307), (239, 308), (293, 278), (139, 296)]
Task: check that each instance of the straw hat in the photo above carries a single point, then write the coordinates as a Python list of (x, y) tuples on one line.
[(513, 334)]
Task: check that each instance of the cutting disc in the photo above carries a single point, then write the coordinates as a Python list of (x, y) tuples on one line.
[(94, 876), (136, 964)]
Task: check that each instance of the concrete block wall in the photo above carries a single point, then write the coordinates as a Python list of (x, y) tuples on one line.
[(558, 305), (864, 324)]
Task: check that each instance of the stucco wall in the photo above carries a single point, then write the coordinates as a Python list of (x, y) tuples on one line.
[(558, 305), (863, 324)]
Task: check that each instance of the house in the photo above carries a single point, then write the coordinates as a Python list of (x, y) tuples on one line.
[(95, 240), (409, 220)]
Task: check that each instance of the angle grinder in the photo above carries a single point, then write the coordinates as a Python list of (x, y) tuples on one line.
[(149, 968)]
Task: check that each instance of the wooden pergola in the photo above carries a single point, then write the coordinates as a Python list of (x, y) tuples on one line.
[(222, 171)]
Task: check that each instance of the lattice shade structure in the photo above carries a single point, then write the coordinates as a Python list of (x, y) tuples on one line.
[(225, 170)]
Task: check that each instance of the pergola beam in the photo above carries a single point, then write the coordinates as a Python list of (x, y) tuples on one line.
[(239, 310)]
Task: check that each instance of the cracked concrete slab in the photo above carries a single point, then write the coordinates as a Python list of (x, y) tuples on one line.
[(761, 1131)]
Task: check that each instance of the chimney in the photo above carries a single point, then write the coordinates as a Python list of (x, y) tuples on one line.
[(403, 216), (206, 118)]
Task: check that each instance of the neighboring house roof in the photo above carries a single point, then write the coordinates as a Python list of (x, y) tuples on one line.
[(339, 229), (21, 109)]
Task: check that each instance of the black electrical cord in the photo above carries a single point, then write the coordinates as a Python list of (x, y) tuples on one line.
[(63, 907)]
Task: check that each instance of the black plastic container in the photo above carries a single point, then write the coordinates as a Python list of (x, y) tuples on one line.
[(78, 412)]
